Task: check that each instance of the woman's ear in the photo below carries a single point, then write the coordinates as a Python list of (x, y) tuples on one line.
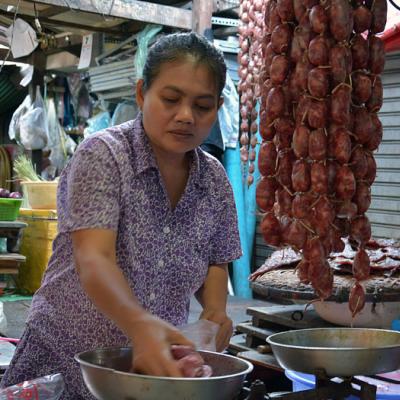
[(139, 94), (220, 102)]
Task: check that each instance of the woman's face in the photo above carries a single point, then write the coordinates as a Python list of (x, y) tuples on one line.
[(180, 106)]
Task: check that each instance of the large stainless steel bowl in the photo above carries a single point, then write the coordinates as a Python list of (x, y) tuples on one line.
[(339, 351), (105, 372)]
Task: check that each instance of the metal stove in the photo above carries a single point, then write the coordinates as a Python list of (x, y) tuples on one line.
[(325, 388)]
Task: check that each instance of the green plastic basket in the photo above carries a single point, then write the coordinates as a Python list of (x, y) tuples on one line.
[(9, 209)]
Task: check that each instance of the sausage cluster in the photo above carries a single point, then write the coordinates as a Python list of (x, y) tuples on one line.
[(314, 67)]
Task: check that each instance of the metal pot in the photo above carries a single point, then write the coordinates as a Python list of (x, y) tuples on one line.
[(338, 351), (105, 374)]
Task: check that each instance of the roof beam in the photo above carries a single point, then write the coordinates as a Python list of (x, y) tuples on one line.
[(58, 23), (134, 10), (51, 12)]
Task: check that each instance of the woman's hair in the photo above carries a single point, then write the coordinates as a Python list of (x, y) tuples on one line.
[(184, 47)]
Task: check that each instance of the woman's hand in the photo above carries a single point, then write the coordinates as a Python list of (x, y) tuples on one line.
[(225, 327), (213, 296), (152, 339)]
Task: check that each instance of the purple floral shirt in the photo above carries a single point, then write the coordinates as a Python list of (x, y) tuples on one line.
[(113, 182)]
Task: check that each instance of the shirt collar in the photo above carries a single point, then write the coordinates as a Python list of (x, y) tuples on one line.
[(144, 157)]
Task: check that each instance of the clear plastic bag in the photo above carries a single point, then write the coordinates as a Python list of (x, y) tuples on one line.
[(48, 387), (124, 112), (202, 333), (228, 116), (33, 128), (61, 146), (13, 129)]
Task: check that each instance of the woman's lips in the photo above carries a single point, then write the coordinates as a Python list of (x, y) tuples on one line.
[(181, 133)]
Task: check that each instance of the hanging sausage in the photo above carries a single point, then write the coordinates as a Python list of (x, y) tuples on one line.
[(313, 66)]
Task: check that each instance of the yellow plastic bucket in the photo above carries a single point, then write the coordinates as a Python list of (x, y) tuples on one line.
[(36, 246)]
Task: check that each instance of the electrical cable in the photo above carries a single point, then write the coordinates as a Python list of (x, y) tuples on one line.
[(393, 3)]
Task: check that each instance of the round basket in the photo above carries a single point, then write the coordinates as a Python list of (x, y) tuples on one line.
[(9, 208)]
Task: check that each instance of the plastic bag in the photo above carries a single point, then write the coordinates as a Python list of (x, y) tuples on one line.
[(21, 37), (3, 319), (143, 39), (61, 146), (228, 116), (48, 387), (124, 112), (202, 333), (13, 129), (33, 125), (97, 123)]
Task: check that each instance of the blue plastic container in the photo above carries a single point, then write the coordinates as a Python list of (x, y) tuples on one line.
[(396, 324), (307, 382)]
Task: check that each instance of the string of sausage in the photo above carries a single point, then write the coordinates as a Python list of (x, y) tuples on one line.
[(319, 92)]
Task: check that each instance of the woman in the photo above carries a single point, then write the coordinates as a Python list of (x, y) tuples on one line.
[(146, 220)]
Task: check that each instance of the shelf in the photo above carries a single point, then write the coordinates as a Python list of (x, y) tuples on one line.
[(10, 262)]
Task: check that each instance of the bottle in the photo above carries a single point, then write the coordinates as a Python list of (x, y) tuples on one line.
[(48, 387)]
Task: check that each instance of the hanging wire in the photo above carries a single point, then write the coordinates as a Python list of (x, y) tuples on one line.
[(69, 6), (37, 22), (394, 4), (12, 37), (111, 7)]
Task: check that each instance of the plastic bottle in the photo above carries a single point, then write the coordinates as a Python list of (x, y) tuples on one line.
[(48, 387)]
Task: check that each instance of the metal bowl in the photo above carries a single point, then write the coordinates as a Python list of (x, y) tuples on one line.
[(373, 315), (105, 372), (339, 351)]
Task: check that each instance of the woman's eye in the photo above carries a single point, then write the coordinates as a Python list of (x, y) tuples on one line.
[(170, 100), (203, 108)]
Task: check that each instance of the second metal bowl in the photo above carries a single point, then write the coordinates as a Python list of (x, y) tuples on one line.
[(338, 351)]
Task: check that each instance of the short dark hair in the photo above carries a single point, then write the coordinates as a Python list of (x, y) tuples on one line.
[(181, 46)]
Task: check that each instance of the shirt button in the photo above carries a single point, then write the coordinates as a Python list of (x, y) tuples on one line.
[(152, 296), (160, 263), (166, 229)]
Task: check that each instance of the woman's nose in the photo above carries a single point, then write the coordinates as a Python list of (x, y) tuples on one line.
[(185, 114)]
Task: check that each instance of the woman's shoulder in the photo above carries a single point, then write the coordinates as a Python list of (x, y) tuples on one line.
[(212, 172), (208, 163), (115, 137)]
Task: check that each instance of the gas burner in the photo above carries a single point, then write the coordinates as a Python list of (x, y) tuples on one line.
[(325, 388), (256, 391)]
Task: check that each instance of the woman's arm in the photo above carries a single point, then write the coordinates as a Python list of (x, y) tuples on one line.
[(106, 286), (213, 297)]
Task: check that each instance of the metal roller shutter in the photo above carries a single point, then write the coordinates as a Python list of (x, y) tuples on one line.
[(384, 212)]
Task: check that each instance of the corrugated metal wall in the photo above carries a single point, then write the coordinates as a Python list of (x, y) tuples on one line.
[(384, 212)]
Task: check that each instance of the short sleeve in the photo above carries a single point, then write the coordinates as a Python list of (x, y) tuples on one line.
[(225, 243), (90, 191)]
